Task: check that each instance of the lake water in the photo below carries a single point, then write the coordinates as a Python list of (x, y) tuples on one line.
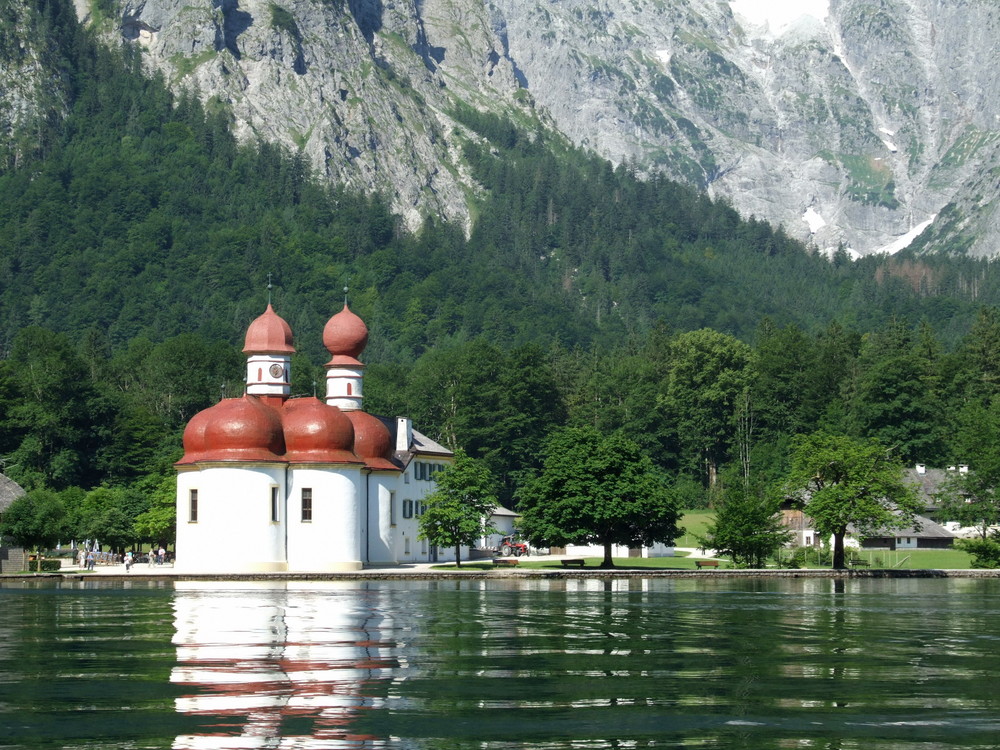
[(718, 663)]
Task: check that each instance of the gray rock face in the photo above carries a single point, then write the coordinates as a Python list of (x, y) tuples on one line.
[(29, 87), (362, 88), (851, 130)]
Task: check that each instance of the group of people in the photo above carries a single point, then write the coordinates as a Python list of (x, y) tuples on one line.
[(89, 559)]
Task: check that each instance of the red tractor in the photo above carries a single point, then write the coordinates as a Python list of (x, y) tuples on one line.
[(512, 546)]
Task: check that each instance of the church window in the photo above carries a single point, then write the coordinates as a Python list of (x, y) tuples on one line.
[(260, 374), (193, 506), (307, 504), (349, 389), (392, 508), (274, 504), (407, 509)]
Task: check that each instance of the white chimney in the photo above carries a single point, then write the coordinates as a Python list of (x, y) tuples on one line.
[(404, 433)]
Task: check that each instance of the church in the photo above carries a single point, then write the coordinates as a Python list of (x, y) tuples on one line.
[(274, 483)]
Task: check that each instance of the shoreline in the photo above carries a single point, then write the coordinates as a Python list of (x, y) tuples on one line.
[(410, 574)]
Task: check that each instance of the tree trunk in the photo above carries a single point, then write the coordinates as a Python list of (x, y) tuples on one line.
[(607, 562), (838, 550), (458, 555)]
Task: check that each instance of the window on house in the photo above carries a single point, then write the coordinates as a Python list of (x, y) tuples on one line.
[(392, 508), (193, 506), (419, 508), (407, 509), (307, 504), (406, 545), (274, 504)]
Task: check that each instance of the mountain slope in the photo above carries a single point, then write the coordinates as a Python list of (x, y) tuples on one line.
[(854, 130)]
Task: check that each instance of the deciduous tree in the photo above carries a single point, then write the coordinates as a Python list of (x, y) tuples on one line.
[(596, 489), (848, 482), (459, 510), (747, 528), (36, 520), (972, 499)]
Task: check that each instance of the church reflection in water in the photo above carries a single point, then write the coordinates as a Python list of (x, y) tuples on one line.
[(280, 665)]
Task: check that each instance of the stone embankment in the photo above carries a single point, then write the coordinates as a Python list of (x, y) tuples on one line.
[(435, 574)]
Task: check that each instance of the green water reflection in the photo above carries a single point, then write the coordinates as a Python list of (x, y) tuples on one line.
[(502, 664)]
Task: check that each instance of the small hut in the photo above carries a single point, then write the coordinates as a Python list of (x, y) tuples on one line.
[(11, 558)]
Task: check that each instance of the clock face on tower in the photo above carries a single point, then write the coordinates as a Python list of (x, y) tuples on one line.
[(277, 370)]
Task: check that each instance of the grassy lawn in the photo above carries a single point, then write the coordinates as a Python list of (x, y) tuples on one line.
[(917, 559), (924, 559), (694, 522)]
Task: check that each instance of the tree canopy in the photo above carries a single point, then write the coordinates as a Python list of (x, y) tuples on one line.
[(846, 482), (748, 527), (459, 510), (596, 489)]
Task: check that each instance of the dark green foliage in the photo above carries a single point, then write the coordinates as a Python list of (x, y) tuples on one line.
[(848, 483), (136, 237), (971, 498), (458, 511), (36, 520), (596, 489), (985, 552), (748, 527)]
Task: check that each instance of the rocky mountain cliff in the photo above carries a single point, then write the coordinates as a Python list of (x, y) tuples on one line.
[(855, 130)]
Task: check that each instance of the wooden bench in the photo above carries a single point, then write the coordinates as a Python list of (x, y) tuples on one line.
[(578, 562), (860, 564), (504, 562), (707, 563)]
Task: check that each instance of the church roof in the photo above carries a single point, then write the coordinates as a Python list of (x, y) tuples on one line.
[(269, 334), (345, 336)]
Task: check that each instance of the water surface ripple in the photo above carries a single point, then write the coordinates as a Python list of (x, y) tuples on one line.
[(726, 663)]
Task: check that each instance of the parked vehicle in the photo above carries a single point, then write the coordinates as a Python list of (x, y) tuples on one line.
[(512, 546)]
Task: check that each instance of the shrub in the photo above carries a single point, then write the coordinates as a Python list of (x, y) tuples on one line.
[(985, 552)]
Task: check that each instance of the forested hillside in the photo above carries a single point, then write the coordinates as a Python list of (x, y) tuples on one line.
[(137, 240)]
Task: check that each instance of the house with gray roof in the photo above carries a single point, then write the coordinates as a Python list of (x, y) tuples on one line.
[(11, 558)]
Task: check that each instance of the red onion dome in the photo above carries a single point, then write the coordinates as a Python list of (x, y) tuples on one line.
[(372, 441), (269, 334), (317, 433), (235, 429), (345, 336)]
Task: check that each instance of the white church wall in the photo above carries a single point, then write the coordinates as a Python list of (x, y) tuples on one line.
[(328, 537), (381, 493), (233, 530)]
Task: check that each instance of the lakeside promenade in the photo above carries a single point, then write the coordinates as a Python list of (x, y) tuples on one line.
[(437, 571)]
